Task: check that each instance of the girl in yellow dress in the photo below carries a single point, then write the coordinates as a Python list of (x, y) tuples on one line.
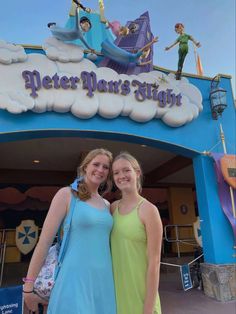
[(135, 242)]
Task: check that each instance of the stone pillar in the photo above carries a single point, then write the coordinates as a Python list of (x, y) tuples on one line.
[(219, 281)]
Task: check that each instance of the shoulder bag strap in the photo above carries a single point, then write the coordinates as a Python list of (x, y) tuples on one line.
[(65, 225), (66, 229)]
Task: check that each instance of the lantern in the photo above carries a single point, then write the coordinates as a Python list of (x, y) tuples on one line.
[(217, 98)]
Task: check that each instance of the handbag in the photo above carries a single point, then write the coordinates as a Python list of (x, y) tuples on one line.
[(46, 278)]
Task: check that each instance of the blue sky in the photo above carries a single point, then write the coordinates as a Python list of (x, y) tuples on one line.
[(212, 22)]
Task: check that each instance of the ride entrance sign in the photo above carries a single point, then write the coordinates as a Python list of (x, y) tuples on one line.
[(11, 300)]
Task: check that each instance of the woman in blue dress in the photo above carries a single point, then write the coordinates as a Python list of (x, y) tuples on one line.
[(84, 284)]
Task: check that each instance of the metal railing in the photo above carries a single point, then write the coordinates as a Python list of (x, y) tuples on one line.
[(176, 230), (172, 234), (3, 244)]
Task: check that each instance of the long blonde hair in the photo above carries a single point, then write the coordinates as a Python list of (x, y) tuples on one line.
[(135, 165), (83, 190)]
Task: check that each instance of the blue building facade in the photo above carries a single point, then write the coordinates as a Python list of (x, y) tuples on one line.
[(194, 138)]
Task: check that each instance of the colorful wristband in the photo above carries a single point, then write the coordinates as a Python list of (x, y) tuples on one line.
[(25, 279)]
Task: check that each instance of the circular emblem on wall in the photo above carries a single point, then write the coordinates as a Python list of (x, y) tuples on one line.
[(184, 209)]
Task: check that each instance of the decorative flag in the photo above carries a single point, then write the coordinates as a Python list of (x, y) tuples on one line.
[(224, 192), (228, 168), (199, 66)]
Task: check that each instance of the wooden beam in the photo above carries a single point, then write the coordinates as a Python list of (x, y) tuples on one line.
[(162, 185), (168, 168), (40, 177)]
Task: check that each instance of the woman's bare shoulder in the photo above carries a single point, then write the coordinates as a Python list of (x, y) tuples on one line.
[(64, 193), (59, 207), (114, 206), (66, 190), (148, 210), (61, 199)]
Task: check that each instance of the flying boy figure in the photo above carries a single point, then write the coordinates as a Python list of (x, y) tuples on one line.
[(66, 34), (183, 47)]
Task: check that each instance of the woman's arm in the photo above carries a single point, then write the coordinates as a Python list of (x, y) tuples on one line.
[(150, 217), (55, 216)]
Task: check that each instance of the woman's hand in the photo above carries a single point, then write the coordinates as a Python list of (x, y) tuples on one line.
[(32, 301)]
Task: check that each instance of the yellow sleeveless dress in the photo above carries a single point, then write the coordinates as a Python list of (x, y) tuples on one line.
[(129, 258)]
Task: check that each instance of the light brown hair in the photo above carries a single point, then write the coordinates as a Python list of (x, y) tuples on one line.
[(83, 190), (135, 165), (123, 31)]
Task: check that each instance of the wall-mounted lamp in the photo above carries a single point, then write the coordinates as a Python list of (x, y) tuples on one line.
[(217, 98)]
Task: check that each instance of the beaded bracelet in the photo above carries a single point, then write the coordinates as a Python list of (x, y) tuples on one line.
[(25, 279)]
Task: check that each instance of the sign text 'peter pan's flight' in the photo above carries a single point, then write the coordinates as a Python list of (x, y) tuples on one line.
[(143, 90)]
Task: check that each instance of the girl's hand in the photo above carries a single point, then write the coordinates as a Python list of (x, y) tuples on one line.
[(198, 44), (32, 301)]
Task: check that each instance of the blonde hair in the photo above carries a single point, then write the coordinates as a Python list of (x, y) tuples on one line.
[(83, 190), (123, 31), (135, 165)]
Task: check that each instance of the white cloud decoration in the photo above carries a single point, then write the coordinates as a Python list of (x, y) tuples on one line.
[(59, 73), (57, 50), (10, 53)]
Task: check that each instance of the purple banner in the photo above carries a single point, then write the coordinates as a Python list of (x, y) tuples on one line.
[(224, 193)]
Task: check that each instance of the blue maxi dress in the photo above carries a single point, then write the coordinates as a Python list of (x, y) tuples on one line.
[(85, 284)]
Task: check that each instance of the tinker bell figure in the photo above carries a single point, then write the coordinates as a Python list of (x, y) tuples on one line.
[(183, 47)]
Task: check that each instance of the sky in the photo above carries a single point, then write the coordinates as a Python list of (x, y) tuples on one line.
[(212, 22)]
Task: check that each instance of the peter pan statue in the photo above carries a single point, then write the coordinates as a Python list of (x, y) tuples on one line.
[(183, 47)]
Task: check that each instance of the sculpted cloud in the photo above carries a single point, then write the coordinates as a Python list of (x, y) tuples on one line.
[(63, 80)]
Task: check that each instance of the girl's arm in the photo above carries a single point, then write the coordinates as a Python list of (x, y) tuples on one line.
[(55, 216), (150, 217)]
